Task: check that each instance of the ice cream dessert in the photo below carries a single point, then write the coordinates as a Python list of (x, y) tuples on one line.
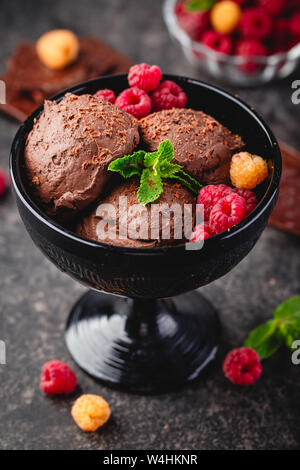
[(69, 148), (138, 226), (166, 162), (202, 145)]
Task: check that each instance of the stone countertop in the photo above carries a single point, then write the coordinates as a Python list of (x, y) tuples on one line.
[(35, 297)]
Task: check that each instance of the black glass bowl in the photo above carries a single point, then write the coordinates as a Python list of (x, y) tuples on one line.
[(143, 338)]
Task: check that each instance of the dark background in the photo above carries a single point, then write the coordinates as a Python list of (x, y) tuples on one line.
[(35, 297)]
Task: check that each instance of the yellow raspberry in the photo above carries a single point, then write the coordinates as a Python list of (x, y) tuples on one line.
[(58, 48), (90, 412), (225, 16), (247, 171)]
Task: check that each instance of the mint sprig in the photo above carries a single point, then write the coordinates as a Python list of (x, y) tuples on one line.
[(284, 328), (203, 5), (152, 168)]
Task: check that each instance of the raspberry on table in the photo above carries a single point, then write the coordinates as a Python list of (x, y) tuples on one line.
[(201, 232), (218, 42), (255, 24), (225, 16), (134, 101), (273, 7), (242, 366), (250, 48), (248, 171), (209, 195), (228, 211), (57, 378), (107, 95), (193, 23), (144, 76), (168, 95), (90, 412), (295, 25), (250, 198), (3, 183)]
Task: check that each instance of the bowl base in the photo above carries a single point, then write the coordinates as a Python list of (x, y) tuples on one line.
[(143, 346)]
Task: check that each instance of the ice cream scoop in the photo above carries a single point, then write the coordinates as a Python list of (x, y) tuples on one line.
[(120, 220), (202, 145), (69, 148)]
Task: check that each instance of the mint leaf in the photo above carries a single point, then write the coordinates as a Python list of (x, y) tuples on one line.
[(287, 315), (166, 151), (290, 331), (203, 5), (151, 159), (129, 165), (186, 180), (150, 188), (152, 167), (288, 309), (167, 170), (265, 339), (284, 328)]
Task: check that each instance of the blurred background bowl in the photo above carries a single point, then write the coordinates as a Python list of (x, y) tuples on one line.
[(228, 68)]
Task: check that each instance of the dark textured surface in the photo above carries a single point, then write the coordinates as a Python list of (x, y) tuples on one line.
[(35, 297)]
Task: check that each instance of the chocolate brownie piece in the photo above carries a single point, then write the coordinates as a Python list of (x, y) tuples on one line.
[(29, 82)]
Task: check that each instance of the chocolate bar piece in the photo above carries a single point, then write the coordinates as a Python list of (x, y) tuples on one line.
[(29, 82), (286, 215)]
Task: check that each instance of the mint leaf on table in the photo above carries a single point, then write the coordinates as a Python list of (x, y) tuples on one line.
[(288, 318), (152, 167), (129, 165), (203, 5), (265, 339), (284, 328)]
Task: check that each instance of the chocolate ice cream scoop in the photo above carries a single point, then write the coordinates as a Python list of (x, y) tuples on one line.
[(202, 145), (69, 148), (120, 220)]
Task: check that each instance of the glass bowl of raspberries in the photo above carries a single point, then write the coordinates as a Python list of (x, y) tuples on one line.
[(243, 42)]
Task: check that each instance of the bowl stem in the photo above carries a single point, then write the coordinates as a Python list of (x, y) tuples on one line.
[(141, 345)]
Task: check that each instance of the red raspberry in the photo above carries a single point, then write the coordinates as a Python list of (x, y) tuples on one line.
[(134, 101), (273, 7), (201, 232), (144, 76), (255, 24), (240, 2), (210, 195), (193, 23), (228, 211), (3, 183), (250, 48), (168, 95), (242, 366), (107, 95), (281, 35), (57, 378), (295, 25), (250, 198), (218, 42)]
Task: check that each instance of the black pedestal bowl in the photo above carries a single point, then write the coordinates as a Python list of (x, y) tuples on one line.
[(143, 338)]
